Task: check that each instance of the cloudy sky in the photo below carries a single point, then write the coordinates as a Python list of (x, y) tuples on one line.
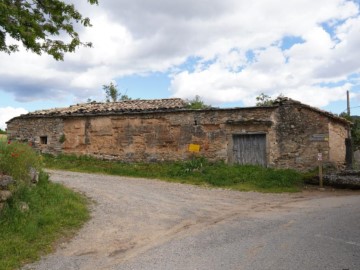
[(225, 51)]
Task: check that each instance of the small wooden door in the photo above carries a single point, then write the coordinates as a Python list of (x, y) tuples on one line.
[(250, 149)]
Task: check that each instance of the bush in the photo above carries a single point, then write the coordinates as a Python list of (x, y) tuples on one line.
[(195, 164), (16, 160)]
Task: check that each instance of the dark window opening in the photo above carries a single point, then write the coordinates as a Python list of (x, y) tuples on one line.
[(43, 139)]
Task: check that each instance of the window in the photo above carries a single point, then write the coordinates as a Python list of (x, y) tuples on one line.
[(43, 139)]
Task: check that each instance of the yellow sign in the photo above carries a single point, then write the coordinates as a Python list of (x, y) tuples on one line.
[(194, 147)]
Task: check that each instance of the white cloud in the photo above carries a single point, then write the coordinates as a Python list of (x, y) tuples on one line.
[(9, 112), (143, 36), (302, 72)]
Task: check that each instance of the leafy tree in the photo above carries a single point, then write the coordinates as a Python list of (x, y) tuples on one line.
[(2, 131), (355, 131), (264, 100), (355, 128), (124, 97), (38, 23), (113, 94), (89, 100), (197, 103)]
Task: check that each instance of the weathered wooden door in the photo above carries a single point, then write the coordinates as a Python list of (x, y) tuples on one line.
[(250, 149)]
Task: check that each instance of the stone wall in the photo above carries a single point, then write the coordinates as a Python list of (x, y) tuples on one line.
[(337, 151), (301, 134), (35, 130), (295, 134), (349, 179), (162, 136)]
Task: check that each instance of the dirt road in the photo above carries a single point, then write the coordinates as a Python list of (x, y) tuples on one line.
[(131, 216)]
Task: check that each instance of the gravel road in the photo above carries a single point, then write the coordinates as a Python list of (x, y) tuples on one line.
[(131, 216)]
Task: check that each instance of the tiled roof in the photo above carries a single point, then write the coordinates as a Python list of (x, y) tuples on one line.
[(153, 105), (114, 107)]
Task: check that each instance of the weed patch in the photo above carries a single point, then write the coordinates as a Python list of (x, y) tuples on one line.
[(36, 215), (54, 212), (3, 138), (16, 159), (196, 171)]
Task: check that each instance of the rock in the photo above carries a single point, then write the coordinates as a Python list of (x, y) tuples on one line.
[(34, 175), (5, 181), (5, 195), (24, 207)]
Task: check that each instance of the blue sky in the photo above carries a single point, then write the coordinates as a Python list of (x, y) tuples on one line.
[(227, 52)]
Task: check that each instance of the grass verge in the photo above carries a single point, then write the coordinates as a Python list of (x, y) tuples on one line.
[(197, 171), (54, 212), (3, 138)]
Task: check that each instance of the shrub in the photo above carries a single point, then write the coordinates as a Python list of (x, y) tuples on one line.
[(195, 164), (16, 160)]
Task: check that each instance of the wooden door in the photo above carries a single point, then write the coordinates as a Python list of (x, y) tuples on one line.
[(250, 149)]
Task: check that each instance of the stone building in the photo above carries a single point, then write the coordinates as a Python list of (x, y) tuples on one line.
[(288, 134)]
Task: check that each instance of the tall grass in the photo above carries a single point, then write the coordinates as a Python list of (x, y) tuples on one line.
[(197, 171), (36, 215), (54, 212), (16, 160), (3, 138)]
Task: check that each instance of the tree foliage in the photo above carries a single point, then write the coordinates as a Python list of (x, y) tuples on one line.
[(264, 100), (197, 103), (355, 131), (37, 24), (355, 128), (113, 94)]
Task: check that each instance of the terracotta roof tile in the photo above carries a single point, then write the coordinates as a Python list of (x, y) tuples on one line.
[(116, 107)]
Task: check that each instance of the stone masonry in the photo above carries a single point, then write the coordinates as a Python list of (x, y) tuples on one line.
[(161, 130)]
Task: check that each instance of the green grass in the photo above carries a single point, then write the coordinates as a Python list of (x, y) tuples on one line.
[(55, 212), (3, 138), (197, 171)]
